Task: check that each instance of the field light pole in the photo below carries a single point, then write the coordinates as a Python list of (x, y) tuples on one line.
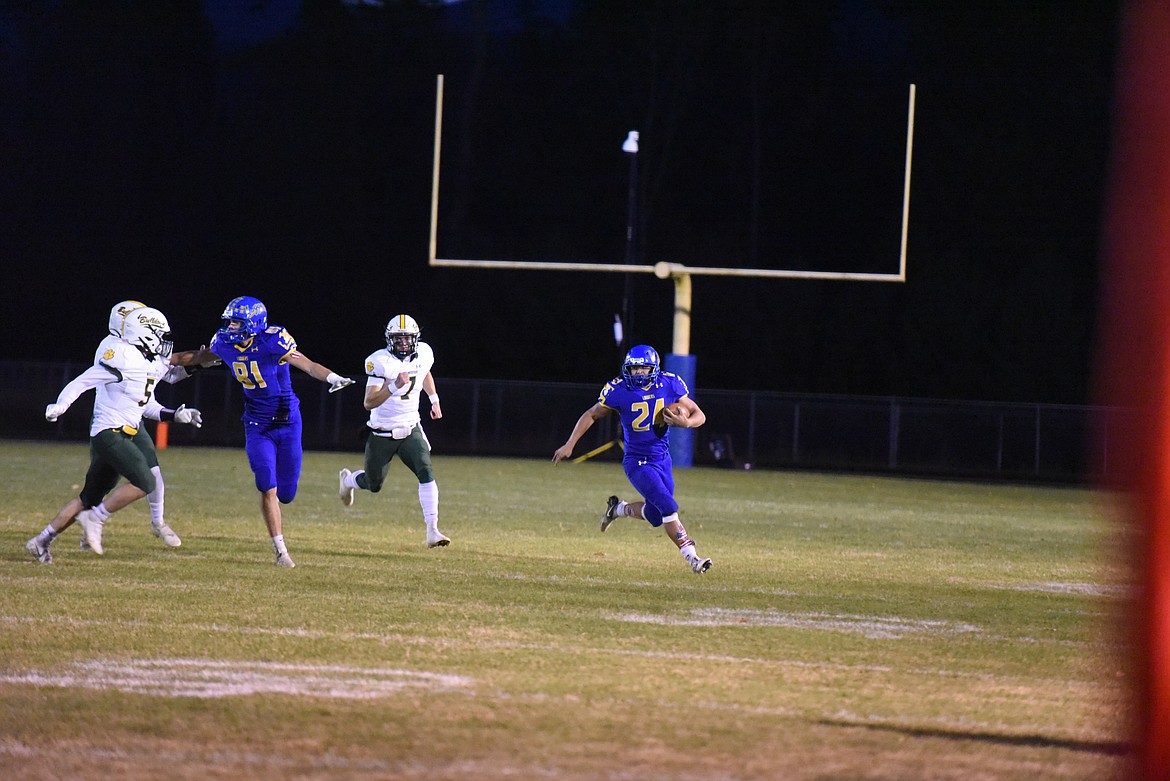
[(624, 328), (679, 360)]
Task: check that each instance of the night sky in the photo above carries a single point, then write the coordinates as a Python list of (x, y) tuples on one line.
[(185, 153)]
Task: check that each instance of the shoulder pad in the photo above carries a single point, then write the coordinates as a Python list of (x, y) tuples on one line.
[(375, 362)]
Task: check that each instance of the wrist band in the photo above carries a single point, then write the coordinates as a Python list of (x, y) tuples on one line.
[(434, 397)]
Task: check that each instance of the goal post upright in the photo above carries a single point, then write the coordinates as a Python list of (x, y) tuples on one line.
[(680, 357), (434, 238), (906, 182)]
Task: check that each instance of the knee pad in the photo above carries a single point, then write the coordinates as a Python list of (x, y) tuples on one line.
[(653, 515)]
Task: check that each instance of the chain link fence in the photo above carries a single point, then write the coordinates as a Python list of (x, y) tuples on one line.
[(744, 429)]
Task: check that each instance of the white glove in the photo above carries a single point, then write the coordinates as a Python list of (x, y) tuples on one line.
[(54, 411), (337, 382), (214, 360), (189, 415)]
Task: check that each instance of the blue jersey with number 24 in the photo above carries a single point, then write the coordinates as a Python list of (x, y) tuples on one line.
[(639, 408)]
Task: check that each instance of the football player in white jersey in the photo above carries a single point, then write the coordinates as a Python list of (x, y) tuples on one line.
[(397, 376), (128, 364)]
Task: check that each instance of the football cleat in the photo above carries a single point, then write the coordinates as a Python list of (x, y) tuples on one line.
[(344, 492), (39, 552), (166, 534), (285, 560), (436, 539), (91, 530), (610, 512), (699, 564)]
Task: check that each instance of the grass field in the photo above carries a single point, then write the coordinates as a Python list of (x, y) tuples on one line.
[(851, 628)]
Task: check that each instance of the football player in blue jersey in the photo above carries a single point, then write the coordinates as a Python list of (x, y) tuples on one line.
[(643, 397), (259, 355)]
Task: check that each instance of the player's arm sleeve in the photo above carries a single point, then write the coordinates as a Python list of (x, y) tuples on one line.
[(601, 397), (289, 346), (382, 373), (375, 371), (98, 374)]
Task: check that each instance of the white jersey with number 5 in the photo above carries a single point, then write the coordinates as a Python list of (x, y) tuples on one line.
[(401, 409), (125, 382)]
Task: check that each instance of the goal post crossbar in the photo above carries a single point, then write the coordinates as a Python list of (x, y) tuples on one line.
[(671, 269), (664, 270)]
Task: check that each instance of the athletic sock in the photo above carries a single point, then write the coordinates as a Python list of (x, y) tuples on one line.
[(428, 497), (155, 497)]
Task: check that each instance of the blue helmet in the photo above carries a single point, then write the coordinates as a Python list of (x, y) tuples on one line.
[(641, 355), (243, 318)]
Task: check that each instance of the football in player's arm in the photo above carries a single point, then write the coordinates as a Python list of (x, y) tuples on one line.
[(648, 402)]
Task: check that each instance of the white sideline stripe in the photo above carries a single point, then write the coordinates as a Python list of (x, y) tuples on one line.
[(1086, 589), (872, 627), (481, 645), (209, 678), (519, 576)]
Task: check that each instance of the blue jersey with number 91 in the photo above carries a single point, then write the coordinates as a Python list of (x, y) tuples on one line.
[(260, 366), (639, 408)]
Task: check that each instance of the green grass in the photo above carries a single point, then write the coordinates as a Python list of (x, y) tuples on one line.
[(851, 628)]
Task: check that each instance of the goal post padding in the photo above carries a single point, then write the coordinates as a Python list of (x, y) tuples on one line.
[(682, 440)]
